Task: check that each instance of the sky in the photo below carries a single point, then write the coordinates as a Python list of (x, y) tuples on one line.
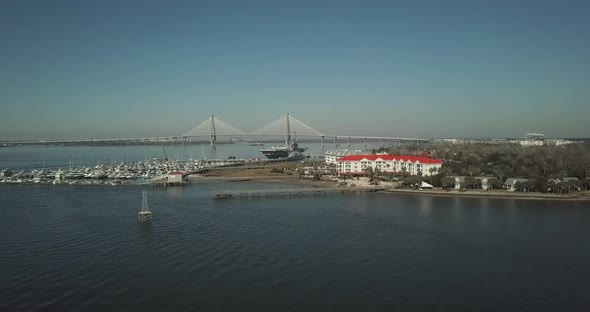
[(424, 69)]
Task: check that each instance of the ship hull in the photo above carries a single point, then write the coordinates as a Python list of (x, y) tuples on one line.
[(274, 154), (291, 151)]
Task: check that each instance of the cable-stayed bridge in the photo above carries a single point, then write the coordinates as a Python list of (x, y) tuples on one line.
[(287, 126), (213, 128)]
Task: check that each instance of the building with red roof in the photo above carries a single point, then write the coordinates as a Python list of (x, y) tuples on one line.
[(357, 164)]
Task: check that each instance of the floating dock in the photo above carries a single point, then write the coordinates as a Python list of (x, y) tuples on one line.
[(294, 192)]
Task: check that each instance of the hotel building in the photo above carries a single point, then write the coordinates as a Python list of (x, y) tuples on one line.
[(357, 164)]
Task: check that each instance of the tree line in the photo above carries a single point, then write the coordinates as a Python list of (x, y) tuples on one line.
[(546, 167)]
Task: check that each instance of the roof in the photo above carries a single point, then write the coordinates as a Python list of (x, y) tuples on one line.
[(424, 184), (175, 172), (513, 180), (388, 157)]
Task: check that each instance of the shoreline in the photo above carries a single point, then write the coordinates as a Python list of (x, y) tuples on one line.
[(270, 178), (499, 195), (292, 180)]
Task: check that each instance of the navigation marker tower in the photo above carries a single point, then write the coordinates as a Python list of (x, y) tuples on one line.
[(145, 215)]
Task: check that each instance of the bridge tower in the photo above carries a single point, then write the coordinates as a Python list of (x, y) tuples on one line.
[(213, 137), (287, 132)]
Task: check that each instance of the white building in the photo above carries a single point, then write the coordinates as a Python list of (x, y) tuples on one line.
[(332, 156), (357, 164), (460, 181), (530, 142), (174, 177), (510, 183)]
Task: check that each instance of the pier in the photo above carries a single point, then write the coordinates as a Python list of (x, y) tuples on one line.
[(294, 192), (166, 183)]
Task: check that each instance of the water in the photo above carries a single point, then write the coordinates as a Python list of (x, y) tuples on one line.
[(80, 248)]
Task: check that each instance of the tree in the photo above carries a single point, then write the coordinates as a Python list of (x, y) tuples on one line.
[(316, 176), (473, 170), (575, 185), (518, 186), (433, 171), (498, 172), (477, 184), (404, 170), (552, 186), (495, 184), (332, 168), (540, 184), (370, 173), (464, 171), (447, 183), (435, 180), (531, 185), (470, 183), (445, 170), (412, 182)]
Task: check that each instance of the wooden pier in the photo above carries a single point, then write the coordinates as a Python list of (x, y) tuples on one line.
[(165, 183), (294, 192)]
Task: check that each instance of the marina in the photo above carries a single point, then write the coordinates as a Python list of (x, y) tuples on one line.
[(155, 172)]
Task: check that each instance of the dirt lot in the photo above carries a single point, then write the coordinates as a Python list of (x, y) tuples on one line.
[(258, 174)]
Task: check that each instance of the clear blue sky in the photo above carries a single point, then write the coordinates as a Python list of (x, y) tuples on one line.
[(81, 69)]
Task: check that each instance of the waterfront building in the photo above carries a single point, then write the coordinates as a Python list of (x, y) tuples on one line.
[(174, 177), (413, 165), (460, 181), (331, 157), (510, 183)]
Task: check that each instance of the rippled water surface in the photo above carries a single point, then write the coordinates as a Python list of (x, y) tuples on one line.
[(76, 248)]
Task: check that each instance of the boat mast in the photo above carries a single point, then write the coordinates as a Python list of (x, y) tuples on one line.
[(287, 132)]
